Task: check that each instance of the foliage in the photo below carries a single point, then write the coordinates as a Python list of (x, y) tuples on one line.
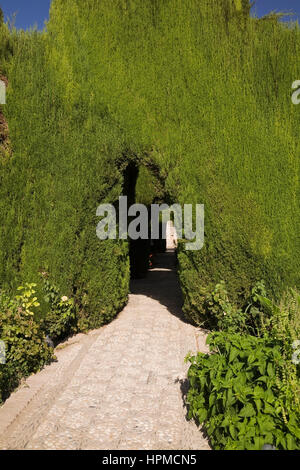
[(26, 350), (203, 96), (27, 299), (6, 45), (53, 225), (23, 329), (246, 392), (216, 311), (148, 187), (239, 393), (61, 317), (202, 92), (284, 323)]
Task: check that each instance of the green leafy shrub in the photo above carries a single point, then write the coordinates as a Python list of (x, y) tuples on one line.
[(241, 393), (214, 310), (282, 321), (247, 392), (26, 350), (61, 317), (27, 299)]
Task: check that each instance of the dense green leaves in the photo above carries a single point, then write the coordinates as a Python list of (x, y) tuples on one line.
[(25, 348), (247, 391), (244, 403), (61, 318)]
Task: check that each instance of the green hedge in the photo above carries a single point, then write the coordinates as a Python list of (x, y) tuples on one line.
[(64, 165), (199, 89)]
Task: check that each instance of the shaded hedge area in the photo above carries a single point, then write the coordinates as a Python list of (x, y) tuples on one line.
[(197, 87)]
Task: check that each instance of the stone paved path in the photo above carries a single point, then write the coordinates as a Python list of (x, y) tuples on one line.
[(119, 387)]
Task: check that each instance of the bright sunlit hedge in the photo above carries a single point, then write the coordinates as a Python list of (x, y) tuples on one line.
[(204, 91)]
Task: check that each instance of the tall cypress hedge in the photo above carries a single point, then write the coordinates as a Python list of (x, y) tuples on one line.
[(195, 86), (63, 166)]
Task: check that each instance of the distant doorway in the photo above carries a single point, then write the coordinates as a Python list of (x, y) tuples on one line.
[(171, 236), (143, 186)]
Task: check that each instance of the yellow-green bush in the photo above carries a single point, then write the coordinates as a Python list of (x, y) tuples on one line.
[(63, 166), (196, 87)]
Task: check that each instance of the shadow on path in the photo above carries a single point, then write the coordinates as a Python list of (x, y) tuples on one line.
[(162, 284)]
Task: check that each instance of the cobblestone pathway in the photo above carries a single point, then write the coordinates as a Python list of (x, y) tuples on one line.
[(119, 387)]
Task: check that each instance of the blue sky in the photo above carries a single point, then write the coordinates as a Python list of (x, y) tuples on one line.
[(32, 12), (29, 12), (262, 7)]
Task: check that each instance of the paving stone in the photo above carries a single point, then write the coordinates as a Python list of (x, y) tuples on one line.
[(119, 387)]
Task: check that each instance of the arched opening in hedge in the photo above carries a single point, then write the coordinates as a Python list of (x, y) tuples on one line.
[(143, 184)]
